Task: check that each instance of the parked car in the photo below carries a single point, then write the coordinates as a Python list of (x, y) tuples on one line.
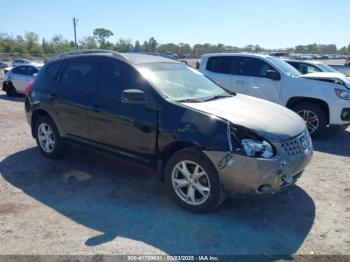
[(17, 62), (306, 66), (170, 55), (318, 102), (19, 78), (279, 54), (347, 61), (203, 140), (2, 65)]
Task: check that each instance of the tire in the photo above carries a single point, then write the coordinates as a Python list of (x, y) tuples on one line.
[(207, 180), (317, 117), (50, 143), (11, 90)]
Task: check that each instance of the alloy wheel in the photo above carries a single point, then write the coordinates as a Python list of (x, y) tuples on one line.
[(46, 138), (312, 120), (190, 182)]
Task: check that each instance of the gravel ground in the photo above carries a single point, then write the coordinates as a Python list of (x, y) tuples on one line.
[(87, 203)]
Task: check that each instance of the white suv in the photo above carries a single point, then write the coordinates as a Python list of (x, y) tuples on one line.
[(320, 101)]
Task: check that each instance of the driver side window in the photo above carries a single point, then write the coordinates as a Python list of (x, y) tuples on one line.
[(113, 78)]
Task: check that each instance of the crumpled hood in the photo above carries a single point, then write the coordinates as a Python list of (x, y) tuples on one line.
[(327, 75), (269, 120)]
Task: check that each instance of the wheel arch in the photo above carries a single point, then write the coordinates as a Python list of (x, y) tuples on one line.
[(304, 100), (36, 115), (168, 151)]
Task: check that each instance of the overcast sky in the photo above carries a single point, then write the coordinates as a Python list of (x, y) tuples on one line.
[(269, 23)]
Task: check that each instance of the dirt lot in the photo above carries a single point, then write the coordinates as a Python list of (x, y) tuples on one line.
[(86, 203)]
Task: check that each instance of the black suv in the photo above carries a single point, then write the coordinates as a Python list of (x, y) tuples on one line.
[(203, 140)]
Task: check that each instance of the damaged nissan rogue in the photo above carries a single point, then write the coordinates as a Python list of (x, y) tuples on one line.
[(203, 141)]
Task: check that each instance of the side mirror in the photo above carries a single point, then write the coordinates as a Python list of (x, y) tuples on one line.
[(133, 96), (273, 75)]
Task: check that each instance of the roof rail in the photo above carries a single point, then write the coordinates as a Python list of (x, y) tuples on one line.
[(85, 51)]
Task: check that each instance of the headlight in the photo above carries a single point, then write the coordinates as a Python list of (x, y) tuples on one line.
[(255, 148), (343, 94)]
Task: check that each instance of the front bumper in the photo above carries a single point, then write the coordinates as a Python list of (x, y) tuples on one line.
[(242, 175), (339, 113)]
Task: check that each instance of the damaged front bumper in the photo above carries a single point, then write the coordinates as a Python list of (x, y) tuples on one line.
[(243, 175)]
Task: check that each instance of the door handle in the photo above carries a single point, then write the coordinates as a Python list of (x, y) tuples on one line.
[(239, 82), (96, 108)]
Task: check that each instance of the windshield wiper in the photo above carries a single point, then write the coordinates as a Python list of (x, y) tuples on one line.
[(189, 100), (215, 97)]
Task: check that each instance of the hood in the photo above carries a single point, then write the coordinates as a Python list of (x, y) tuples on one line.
[(269, 120), (328, 76)]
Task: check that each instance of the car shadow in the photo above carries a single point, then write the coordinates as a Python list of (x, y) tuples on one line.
[(117, 199), (336, 141), (17, 98)]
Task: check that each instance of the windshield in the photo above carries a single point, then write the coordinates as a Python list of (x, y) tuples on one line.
[(284, 66), (327, 68), (181, 83)]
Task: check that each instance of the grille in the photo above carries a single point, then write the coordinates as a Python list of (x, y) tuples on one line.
[(293, 147)]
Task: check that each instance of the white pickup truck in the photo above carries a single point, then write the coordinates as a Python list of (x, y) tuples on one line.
[(321, 99)]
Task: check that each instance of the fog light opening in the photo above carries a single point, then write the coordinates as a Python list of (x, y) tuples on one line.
[(263, 189)]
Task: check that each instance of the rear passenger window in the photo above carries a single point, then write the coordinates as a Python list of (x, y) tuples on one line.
[(220, 64), (249, 66), (21, 70), (53, 69), (78, 74), (113, 78)]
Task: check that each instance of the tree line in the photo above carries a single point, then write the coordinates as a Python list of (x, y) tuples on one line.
[(29, 44)]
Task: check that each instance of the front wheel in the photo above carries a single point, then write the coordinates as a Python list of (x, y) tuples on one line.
[(314, 116), (193, 181)]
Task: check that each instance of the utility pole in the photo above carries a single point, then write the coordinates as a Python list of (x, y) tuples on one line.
[(75, 21)]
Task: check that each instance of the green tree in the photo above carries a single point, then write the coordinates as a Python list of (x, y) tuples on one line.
[(138, 47), (31, 40), (88, 42), (150, 45), (101, 34), (123, 45)]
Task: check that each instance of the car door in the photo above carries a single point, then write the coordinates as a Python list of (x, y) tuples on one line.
[(128, 129), (237, 80), (219, 69), (69, 97), (253, 80), (19, 78)]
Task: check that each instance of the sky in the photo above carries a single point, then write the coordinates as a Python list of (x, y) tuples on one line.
[(269, 23)]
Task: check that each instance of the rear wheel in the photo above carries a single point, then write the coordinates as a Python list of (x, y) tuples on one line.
[(193, 181), (314, 116), (11, 90), (48, 139)]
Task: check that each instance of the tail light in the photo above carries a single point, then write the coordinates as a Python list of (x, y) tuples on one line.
[(27, 89)]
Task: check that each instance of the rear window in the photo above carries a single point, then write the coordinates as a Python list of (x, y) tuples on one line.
[(220, 64), (78, 74), (53, 69)]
